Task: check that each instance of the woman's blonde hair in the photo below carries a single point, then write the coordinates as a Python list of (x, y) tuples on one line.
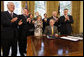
[(38, 17)]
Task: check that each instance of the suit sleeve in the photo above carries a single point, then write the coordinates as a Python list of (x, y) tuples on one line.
[(70, 20), (5, 21), (61, 20), (20, 17)]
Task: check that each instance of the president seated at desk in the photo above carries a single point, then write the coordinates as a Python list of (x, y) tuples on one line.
[(51, 30)]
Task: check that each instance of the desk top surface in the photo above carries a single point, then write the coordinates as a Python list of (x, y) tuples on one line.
[(42, 46)]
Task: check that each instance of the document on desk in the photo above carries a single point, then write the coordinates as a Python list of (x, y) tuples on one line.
[(80, 38), (68, 38)]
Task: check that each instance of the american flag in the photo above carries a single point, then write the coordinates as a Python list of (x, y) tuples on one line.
[(59, 9)]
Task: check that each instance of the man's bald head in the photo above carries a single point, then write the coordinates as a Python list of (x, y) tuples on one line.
[(11, 6)]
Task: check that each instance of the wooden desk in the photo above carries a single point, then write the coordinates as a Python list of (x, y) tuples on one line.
[(42, 46)]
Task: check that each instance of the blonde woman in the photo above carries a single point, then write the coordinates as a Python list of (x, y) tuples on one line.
[(38, 26)]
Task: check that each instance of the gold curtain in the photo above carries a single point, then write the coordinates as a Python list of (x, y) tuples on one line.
[(81, 16), (76, 16), (30, 5), (52, 6), (23, 4), (2, 6)]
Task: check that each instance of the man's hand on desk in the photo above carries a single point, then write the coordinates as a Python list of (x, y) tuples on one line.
[(56, 35), (14, 19)]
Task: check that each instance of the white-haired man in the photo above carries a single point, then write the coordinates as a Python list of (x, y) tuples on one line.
[(9, 22)]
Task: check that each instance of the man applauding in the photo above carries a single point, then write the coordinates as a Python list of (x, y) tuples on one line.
[(25, 25), (9, 24), (65, 23)]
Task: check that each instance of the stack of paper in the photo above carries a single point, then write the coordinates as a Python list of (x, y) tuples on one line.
[(80, 38), (68, 38)]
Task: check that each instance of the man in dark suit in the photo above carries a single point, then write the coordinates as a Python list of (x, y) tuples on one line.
[(45, 21), (25, 24), (30, 24), (9, 34), (65, 23), (51, 30)]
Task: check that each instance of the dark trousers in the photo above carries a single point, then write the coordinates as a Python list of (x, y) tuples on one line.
[(6, 44), (9, 39), (22, 42)]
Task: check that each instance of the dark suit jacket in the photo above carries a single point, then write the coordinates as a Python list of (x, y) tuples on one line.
[(65, 26), (48, 30), (26, 25), (44, 24), (9, 30)]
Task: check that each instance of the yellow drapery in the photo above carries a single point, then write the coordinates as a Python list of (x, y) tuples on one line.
[(76, 16), (2, 6), (52, 6), (30, 5)]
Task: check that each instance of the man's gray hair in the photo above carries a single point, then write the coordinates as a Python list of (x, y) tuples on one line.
[(9, 3)]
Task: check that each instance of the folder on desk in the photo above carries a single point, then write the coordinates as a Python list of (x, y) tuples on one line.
[(67, 38), (80, 38), (72, 38)]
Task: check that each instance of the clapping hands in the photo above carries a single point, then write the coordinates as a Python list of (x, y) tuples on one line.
[(66, 18), (20, 22), (28, 19), (14, 19)]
